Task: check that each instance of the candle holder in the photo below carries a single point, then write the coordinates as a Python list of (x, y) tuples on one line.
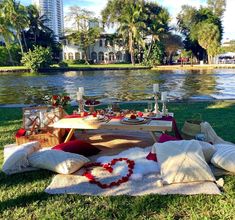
[(80, 106), (164, 109), (156, 106)]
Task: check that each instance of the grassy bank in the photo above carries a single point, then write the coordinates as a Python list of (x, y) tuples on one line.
[(22, 195)]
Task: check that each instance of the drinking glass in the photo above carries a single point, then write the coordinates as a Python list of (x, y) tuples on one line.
[(109, 107)]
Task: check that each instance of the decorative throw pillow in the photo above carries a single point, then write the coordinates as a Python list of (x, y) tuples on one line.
[(78, 147), (224, 157), (182, 161), (57, 161), (16, 157), (208, 150)]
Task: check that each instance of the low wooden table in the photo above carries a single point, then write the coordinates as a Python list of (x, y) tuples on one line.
[(113, 124)]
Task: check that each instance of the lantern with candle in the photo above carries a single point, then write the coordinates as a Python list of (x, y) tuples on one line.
[(164, 100), (80, 100), (156, 93)]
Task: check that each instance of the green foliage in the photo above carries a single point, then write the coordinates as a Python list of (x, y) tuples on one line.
[(155, 57), (38, 58), (14, 50), (63, 64), (86, 34), (192, 23), (73, 62)]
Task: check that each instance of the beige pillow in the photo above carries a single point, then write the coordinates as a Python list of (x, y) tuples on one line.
[(16, 157), (182, 161), (208, 150), (57, 161), (224, 157)]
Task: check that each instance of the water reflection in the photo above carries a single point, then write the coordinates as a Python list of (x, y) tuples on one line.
[(30, 88)]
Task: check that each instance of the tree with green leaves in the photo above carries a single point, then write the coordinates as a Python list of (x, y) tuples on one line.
[(218, 7), (6, 32), (191, 22), (209, 38), (17, 16), (157, 23), (87, 29), (129, 17), (39, 57)]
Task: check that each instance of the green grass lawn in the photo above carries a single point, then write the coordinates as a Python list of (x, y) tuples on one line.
[(102, 66), (22, 195)]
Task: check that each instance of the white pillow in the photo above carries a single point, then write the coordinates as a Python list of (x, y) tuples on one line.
[(224, 157), (16, 157), (182, 161), (208, 150), (57, 161)]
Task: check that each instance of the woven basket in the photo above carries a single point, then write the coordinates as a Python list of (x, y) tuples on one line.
[(45, 139), (191, 128)]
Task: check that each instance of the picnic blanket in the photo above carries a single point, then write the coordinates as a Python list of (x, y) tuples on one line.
[(145, 179)]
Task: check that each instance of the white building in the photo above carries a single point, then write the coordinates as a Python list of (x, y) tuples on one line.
[(105, 50), (53, 10)]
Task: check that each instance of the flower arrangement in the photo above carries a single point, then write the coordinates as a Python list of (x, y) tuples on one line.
[(59, 100)]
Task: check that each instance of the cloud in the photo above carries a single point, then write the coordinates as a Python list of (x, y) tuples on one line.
[(228, 21)]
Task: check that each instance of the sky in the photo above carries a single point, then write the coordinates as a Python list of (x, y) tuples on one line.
[(173, 6)]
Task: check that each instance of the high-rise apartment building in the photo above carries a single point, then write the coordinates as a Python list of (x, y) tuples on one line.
[(53, 9)]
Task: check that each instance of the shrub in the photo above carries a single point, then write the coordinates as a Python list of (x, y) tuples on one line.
[(4, 56), (63, 64), (72, 62), (40, 57)]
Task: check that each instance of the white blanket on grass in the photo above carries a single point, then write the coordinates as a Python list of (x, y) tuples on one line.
[(144, 180)]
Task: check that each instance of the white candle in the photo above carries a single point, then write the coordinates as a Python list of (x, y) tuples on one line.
[(81, 90), (155, 88), (79, 96), (164, 96)]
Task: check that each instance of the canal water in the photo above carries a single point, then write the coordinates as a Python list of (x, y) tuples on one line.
[(123, 85)]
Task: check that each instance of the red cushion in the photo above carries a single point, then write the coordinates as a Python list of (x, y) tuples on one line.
[(165, 137), (21, 132), (78, 147)]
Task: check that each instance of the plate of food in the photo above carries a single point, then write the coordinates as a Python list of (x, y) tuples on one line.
[(133, 120)]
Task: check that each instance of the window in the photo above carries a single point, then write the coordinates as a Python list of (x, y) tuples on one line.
[(70, 56), (106, 42), (77, 56), (94, 56), (101, 56), (101, 43), (111, 56), (119, 55), (65, 56)]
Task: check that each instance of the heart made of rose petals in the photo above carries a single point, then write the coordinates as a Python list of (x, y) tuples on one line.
[(109, 168)]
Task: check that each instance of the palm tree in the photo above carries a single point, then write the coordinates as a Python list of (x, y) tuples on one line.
[(131, 26), (6, 33), (36, 22), (157, 21), (17, 15)]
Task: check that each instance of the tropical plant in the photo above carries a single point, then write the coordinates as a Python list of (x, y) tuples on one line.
[(129, 17), (6, 32), (209, 38), (16, 14), (40, 57), (156, 56), (217, 6), (157, 23), (190, 20)]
